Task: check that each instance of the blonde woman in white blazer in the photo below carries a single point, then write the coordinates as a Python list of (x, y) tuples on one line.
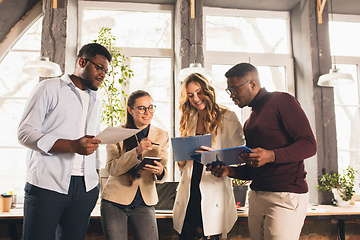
[(129, 195), (205, 206)]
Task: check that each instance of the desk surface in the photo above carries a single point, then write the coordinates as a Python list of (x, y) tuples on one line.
[(313, 211)]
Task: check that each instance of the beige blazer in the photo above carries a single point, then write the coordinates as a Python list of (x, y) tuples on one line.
[(217, 198), (117, 188)]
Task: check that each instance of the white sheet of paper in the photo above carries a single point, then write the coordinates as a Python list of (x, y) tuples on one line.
[(112, 135)]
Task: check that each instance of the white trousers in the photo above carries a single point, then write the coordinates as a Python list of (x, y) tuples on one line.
[(276, 215)]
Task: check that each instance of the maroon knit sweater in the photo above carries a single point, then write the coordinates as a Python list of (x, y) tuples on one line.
[(277, 122)]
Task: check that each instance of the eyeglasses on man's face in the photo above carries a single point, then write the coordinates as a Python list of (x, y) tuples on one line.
[(233, 90), (142, 109), (99, 68)]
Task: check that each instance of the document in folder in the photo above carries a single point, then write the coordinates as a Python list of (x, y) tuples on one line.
[(184, 147), (229, 156)]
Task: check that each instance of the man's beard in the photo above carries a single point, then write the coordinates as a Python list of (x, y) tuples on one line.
[(89, 84)]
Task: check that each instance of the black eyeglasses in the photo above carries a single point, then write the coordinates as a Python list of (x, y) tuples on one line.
[(233, 90), (99, 68), (142, 109)]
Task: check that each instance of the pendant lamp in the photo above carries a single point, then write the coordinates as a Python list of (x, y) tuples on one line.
[(42, 67), (334, 77), (194, 67)]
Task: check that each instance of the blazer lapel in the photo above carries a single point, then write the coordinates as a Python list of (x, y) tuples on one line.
[(192, 125), (153, 134)]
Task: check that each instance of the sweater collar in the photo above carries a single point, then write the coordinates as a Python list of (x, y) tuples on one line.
[(258, 98)]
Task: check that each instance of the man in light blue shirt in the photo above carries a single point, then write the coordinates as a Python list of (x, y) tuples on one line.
[(59, 122)]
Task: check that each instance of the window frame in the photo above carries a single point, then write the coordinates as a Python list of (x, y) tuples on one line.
[(257, 59), (6, 47), (141, 52), (351, 60), (19, 30)]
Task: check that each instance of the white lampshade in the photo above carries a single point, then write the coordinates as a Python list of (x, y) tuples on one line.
[(195, 68), (42, 67), (334, 78)]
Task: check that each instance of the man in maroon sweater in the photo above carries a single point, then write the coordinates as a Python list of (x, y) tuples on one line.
[(280, 135)]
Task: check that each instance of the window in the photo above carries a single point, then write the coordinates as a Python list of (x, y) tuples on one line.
[(259, 37), (15, 89), (144, 33), (344, 40)]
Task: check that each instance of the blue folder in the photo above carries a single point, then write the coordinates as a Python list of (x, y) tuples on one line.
[(184, 147), (229, 156)]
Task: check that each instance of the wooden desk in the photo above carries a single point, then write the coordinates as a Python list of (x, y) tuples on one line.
[(320, 212)]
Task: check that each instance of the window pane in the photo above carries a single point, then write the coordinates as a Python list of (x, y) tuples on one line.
[(350, 158), (15, 83), (347, 127), (10, 112), (140, 29), (219, 83), (246, 34), (272, 78), (344, 38), (154, 76), (15, 88), (31, 40), (347, 93), (13, 171)]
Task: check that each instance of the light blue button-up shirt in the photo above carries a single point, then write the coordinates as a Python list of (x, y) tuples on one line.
[(53, 112)]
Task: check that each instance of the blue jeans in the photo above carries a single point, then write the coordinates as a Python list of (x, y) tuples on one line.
[(115, 219)]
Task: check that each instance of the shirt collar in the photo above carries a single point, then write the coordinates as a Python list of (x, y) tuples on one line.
[(65, 80)]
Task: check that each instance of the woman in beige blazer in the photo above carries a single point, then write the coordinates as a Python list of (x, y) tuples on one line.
[(205, 206), (129, 194)]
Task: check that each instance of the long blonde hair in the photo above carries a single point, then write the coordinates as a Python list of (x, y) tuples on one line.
[(214, 111)]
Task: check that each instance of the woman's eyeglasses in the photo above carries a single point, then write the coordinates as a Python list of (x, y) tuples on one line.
[(142, 109)]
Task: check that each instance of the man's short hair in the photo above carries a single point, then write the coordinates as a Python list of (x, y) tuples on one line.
[(240, 70), (90, 50)]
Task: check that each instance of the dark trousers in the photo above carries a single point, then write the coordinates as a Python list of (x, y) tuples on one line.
[(47, 212)]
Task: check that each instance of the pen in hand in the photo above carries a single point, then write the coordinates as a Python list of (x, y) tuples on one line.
[(153, 143)]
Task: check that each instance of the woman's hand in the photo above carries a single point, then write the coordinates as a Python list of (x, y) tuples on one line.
[(181, 164), (158, 169), (145, 144), (204, 149)]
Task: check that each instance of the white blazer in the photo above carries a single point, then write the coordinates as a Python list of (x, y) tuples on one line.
[(217, 198)]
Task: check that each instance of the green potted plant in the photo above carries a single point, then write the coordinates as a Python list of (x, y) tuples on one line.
[(341, 185), (114, 104), (240, 188)]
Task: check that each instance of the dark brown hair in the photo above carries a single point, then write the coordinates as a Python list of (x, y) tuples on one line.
[(131, 142)]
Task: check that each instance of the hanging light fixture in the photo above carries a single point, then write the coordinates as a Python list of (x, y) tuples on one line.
[(194, 67), (42, 67), (334, 77)]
